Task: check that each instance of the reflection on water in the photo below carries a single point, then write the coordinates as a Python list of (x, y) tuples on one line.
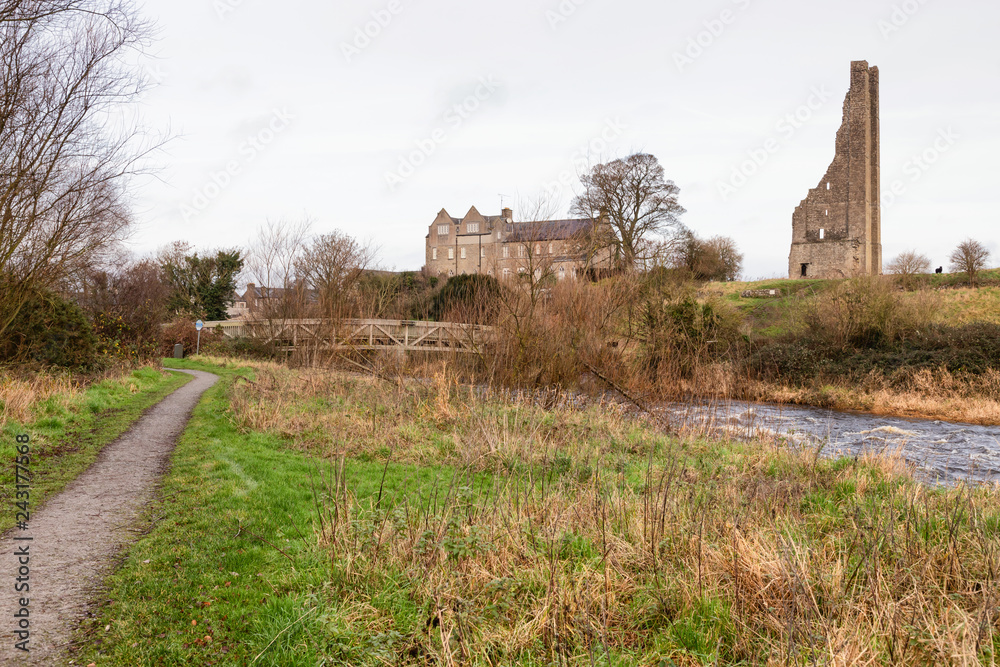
[(943, 452)]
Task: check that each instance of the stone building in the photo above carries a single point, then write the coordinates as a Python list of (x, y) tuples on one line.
[(836, 230), (498, 246)]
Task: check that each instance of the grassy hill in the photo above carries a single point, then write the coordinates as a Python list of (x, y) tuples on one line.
[(955, 302)]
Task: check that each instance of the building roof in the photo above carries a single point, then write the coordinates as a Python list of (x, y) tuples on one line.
[(548, 230)]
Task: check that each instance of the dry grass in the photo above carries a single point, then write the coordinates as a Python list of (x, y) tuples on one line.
[(966, 305), (26, 395), (21, 395), (569, 536)]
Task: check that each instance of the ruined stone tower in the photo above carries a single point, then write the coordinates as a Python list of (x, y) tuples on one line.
[(836, 230)]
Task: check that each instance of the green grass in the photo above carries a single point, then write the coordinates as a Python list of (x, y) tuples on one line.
[(68, 435), (227, 558)]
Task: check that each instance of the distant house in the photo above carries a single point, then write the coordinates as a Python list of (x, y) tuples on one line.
[(498, 246), (259, 301)]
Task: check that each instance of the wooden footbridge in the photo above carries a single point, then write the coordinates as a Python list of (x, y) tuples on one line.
[(404, 335)]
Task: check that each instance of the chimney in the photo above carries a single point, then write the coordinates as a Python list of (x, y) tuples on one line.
[(508, 215)]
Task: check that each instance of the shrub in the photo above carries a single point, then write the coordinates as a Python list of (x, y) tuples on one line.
[(52, 331), (127, 306), (865, 313), (117, 337), (554, 339), (467, 298), (681, 333)]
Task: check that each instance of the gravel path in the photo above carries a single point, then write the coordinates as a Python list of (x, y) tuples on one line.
[(76, 535)]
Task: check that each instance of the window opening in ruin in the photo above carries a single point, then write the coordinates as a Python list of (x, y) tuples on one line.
[(822, 233), (827, 186), (805, 268)]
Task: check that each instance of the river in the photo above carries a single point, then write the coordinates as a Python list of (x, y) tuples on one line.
[(942, 452)]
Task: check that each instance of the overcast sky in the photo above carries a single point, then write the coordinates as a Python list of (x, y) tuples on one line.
[(371, 116)]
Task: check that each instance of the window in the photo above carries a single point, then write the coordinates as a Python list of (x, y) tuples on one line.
[(472, 228), (506, 272), (520, 269), (451, 272), (462, 253), (822, 234), (827, 186), (550, 248), (538, 248), (482, 252), (805, 270), (520, 251), (434, 253), (451, 253), (506, 252), (443, 230)]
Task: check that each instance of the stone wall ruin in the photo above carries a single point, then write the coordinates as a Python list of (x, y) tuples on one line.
[(836, 230)]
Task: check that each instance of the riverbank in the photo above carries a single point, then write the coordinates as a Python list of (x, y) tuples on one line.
[(317, 516), (942, 398)]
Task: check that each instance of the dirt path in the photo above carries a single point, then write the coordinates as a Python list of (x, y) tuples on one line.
[(77, 533)]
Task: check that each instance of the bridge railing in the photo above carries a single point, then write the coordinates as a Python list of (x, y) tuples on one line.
[(410, 335)]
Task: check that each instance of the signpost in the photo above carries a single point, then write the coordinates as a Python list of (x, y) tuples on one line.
[(199, 325)]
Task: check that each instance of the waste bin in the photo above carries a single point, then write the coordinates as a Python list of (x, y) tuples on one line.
[(178, 351)]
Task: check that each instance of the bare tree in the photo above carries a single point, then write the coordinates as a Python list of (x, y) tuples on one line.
[(66, 72), (637, 202), (718, 258), (331, 267), (271, 266), (909, 263), (970, 258), (128, 302), (730, 257)]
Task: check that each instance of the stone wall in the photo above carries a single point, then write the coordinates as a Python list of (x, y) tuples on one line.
[(836, 230)]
